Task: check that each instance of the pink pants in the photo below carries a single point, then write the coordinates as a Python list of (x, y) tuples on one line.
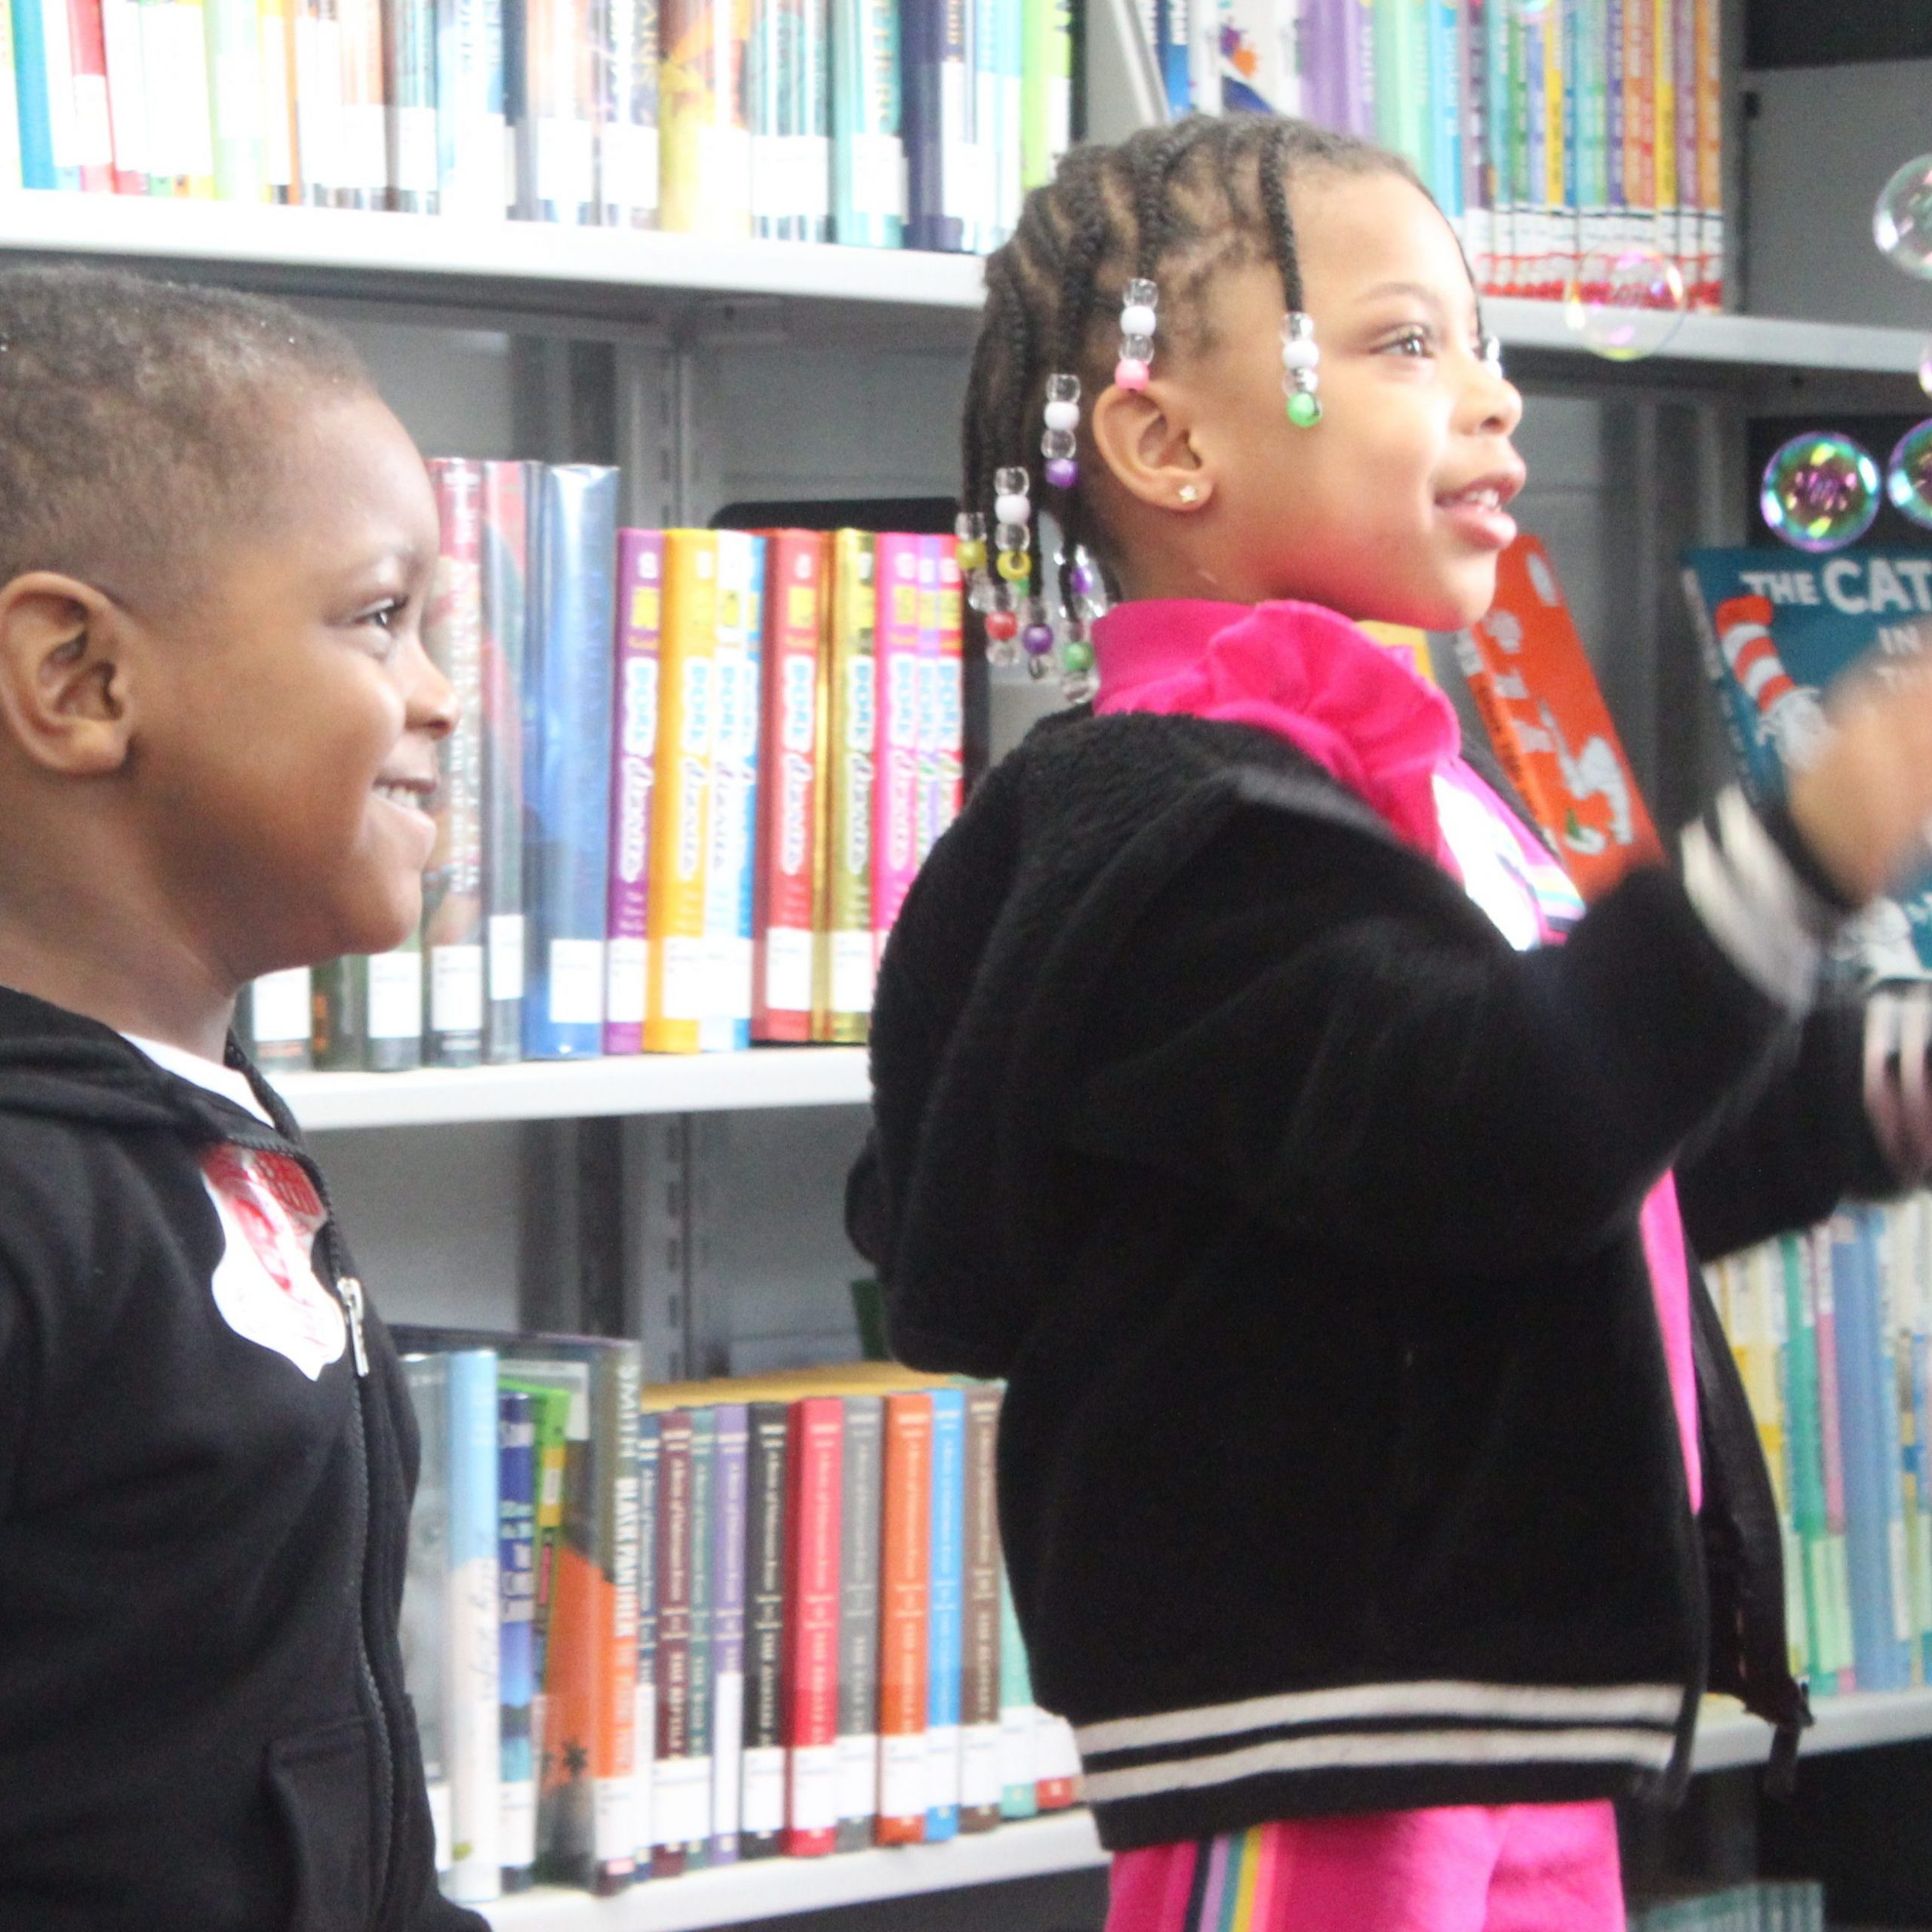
[(1510, 1868)]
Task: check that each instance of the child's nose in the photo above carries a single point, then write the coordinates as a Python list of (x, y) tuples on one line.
[(431, 704)]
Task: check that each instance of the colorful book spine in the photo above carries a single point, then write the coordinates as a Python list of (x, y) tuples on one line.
[(1896, 1471), (1638, 78), (681, 1790), (729, 881), (282, 1021), (858, 1620), (1446, 26), (950, 795), (505, 591), (1560, 103), (1019, 1716), (1711, 245), (1593, 126), (1499, 23), (906, 1551), (842, 978), (516, 1482), (815, 1462), (895, 793), (1683, 134), (730, 1504), (1477, 237), (1823, 1277), (628, 136), (650, 1464), (423, 1627), (931, 670), (980, 1774), (786, 868), (43, 94), (474, 1735), (453, 940), (634, 753), (466, 129), (681, 822), (568, 688), (867, 155), (704, 1553), (946, 1591), (1172, 39), (705, 124), (412, 158), (92, 122), (1663, 126), (1806, 1459), (762, 1817)]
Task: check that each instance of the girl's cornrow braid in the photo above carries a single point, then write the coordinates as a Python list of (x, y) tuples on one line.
[(1273, 168)]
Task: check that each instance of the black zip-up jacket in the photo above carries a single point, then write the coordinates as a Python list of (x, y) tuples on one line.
[(202, 1721), (1338, 1469)]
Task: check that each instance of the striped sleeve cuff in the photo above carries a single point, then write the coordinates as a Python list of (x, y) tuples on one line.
[(1898, 1078), (1771, 920)]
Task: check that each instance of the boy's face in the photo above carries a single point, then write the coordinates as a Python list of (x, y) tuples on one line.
[(1393, 506), (284, 749)]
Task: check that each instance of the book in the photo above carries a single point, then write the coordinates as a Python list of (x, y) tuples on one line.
[(423, 1627), (934, 108), (281, 1021), (557, 128), (928, 702), (681, 1789), (681, 818), (1806, 1460), (1059, 1762), (1823, 1277), (1540, 702), (761, 1816), (10, 106), (896, 789), (1019, 1716), (706, 148), (729, 882), (628, 136), (92, 123), (413, 145), (703, 1663), (568, 687), (394, 1011), (868, 183), (504, 550), (516, 1635), (319, 137), (339, 1004), (785, 866), (814, 1464), (43, 94), (453, 935), (474, 1738), (362, 140), (649, 1513), (634, 755), (1777, 627), (845, 958), (980, 1761), (862, 1494), (945, 1593), (281, 155), (467, 130), (729, 1505), (905, 1554)]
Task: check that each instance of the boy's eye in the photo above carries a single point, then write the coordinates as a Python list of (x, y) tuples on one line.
[(385, 616)]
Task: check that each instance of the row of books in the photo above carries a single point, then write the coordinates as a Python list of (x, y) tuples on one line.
[(1549, 133), (696, 773), (1832, 1332), (1763, 1905), (651, 1630), (873, 122)]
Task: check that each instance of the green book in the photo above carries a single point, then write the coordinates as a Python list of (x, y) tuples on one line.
[(1805, 1446), (342, 1014)]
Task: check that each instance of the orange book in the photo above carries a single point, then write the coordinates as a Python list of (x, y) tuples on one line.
[(1547, 719), (904, 1570)]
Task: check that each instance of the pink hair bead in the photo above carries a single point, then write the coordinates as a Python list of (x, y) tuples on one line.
[(1129, 373)]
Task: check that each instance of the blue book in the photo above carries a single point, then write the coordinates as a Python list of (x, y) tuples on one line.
[(473, 1749), (1871, 1456), (1777, 626), (516, 1485), (568, 692), (945, 1583), (38, 166), (1444, 98), (1172, 21)]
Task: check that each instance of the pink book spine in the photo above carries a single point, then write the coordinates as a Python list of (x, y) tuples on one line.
[(1830, 1441), (895, 793), (640, 604)]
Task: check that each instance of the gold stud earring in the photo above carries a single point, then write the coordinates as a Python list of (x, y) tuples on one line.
[(1188, 494)]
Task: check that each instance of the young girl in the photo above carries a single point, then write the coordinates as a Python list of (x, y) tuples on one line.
[(1378, 1494)]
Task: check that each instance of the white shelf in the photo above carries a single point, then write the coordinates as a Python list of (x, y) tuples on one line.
[(544, 1090), (535, 265), (767, 1888), (1854, 1721)]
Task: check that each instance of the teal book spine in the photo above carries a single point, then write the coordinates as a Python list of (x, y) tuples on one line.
[(1019, 1716), (944, 1629), (1807, 1452)]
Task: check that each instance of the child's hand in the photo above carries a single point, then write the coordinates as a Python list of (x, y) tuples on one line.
[(1863, 803)]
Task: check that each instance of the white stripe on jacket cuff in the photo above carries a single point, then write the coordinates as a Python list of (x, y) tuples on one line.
[(1770, 922)]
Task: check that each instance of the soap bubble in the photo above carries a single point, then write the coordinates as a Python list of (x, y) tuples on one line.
[(1820, 492), (1909, 475), (1624, 302), (1902, 221)]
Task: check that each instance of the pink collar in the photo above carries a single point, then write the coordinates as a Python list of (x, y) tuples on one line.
[(1303, 672)]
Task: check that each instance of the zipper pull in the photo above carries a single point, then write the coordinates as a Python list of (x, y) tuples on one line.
[(350, 1289)]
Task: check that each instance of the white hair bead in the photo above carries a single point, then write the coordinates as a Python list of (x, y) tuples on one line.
[(1137, 318), (1012, 509), (1299, 353), (1062, 416)]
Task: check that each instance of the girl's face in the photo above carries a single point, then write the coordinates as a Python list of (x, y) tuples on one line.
[(1393, 505)]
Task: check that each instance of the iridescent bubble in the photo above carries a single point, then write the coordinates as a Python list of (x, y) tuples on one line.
[(1909, 475), (1820, 492), (1902, 221), (1624, 302)]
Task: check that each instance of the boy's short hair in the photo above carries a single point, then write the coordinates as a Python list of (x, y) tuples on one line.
[(137, 418)]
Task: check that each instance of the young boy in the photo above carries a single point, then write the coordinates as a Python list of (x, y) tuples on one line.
[(218, 735)]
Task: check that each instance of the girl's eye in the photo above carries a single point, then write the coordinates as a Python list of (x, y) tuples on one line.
[(1415, 341)]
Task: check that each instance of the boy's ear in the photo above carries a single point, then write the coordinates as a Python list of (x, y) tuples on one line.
[(65, 687), (1145, 439)]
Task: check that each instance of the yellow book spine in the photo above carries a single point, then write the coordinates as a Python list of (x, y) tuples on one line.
[(680, 830)]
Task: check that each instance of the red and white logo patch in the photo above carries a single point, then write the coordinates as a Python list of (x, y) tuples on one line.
[(265, 1283)]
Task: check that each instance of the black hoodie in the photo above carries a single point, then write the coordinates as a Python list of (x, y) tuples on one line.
[(202, 1720), (1339, 1467)]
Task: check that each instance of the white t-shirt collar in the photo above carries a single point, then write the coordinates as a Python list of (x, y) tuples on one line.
[(225, 1081)]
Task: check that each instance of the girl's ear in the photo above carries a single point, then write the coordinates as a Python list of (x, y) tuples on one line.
[(1145, 438), (65, 686)]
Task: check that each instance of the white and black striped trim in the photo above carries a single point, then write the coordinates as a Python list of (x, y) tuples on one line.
[(1380, 1726), (1771, 922), (1898, 1076)]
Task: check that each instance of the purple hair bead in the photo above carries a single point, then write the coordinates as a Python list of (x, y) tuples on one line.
[(1036, 640), (1062, 472), (1082, 579)]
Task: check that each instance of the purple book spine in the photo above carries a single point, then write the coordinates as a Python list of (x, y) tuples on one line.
[(640, 579), (1323, 86), (1357, 39)]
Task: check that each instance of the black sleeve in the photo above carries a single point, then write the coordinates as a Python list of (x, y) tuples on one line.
[(1298, 1023)]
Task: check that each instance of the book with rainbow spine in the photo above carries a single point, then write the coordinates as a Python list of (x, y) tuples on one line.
[(634, 755)]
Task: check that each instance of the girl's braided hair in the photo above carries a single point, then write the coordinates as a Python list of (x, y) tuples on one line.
[(1176, 204)]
